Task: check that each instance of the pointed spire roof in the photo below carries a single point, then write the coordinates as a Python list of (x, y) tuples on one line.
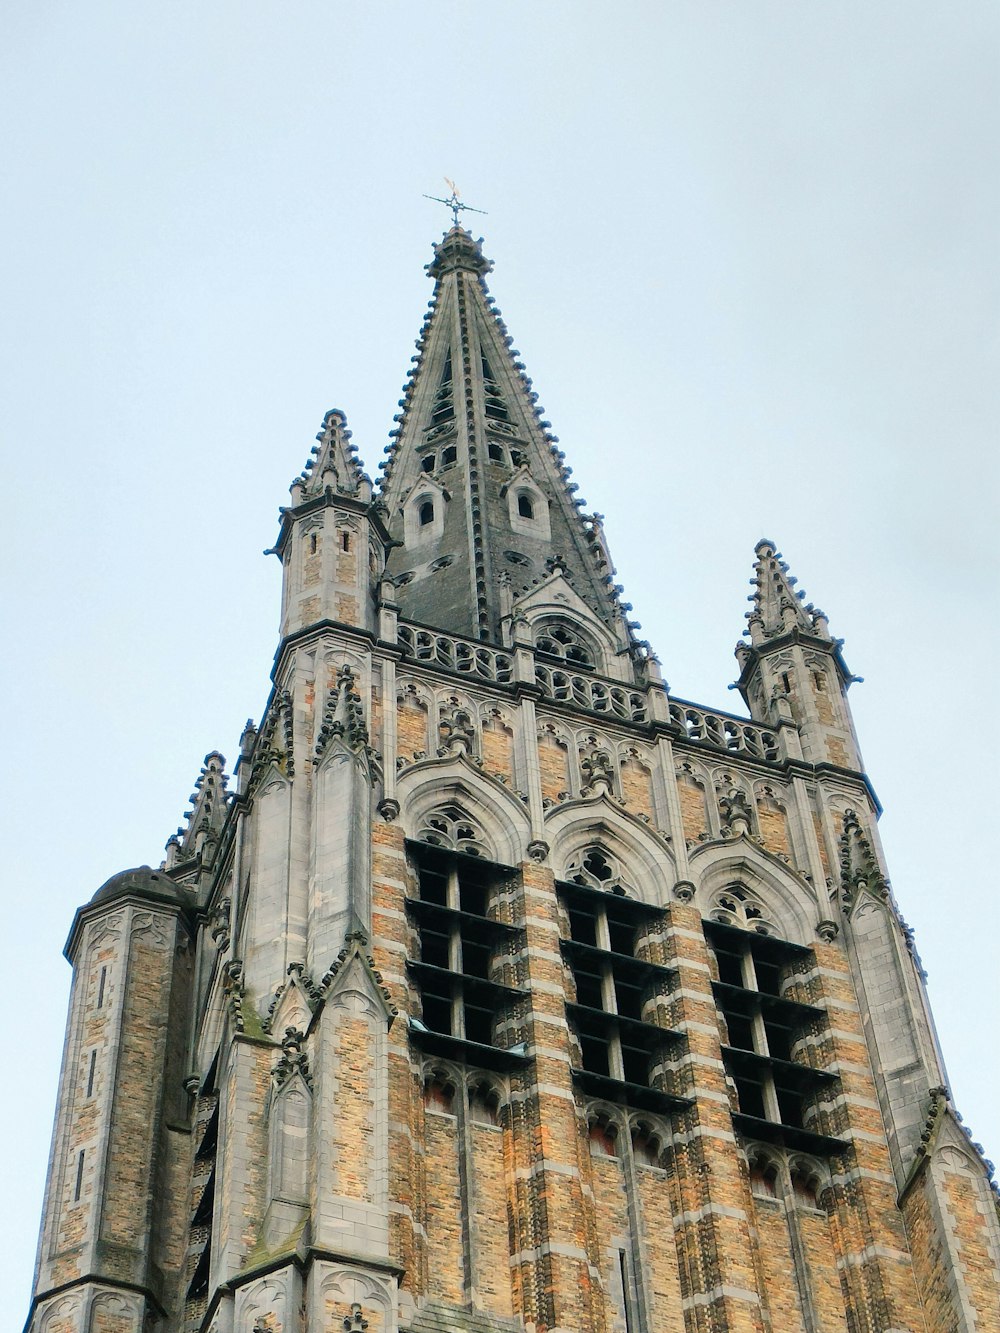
[(777, 607), (209, 805), (333, 463), (499, 504)]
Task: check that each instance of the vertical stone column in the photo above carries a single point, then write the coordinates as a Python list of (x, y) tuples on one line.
[(555, 1279), (390, 943), (873, 1252), (711, 1226)]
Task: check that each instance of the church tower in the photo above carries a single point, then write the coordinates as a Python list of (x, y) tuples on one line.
[(504, 990)]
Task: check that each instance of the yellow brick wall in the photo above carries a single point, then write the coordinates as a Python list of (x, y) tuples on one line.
[(611, 1226), (554, 763), (837, 751), (637, 788), (140, 1058), (352, 1136), (777, 1267), (694, 817), (773, 825), (347, 608), (312, 561), (498, 749), (492, 1276), (659, 1249), (411, 728), (443, 1208)]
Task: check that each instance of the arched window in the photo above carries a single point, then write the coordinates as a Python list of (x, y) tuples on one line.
[(439, 1094), (484, 1104), (763, 1176), (426, 513), (737, 906), (594, 868), (448, 455), (450, 827), (562, 642), (603, 1138), (524, 505), (646, 1147)]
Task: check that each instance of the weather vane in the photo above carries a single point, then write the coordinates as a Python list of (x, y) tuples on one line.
[(455, 202)]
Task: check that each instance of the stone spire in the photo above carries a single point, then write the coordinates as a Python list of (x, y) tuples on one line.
[(777, 607), (475, 487), (333, 464), (204, 821)]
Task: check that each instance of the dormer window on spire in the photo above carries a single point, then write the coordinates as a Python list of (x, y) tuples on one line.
[(560, 640)]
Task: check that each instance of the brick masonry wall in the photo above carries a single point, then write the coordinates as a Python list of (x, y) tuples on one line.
[(693, 814), (442, 1209), (491, 1277), (411, 728), (637, 788), (134, 1127), (554, 764), (773, 826), (498, 750), (659, 1249)]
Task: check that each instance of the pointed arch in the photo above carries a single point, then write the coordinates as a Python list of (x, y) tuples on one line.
[(646, 865), (499, 815), (789, 902)]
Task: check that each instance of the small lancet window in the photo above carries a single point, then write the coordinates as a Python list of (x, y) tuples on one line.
[(484, 1105), (439, 1096), (78, 1189), (427, 463), (101, 987), (495, 452), (312, 543), (602, 1139), (91, 1068), (426, 513), (448, 455), (524, 506), (345, 541), (764, 1179)]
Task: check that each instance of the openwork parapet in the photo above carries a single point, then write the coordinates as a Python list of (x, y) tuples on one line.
[(728, 733), (455, 654), (596, 696)]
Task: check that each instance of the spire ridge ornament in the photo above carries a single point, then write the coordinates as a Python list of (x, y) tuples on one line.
[(455, 202)]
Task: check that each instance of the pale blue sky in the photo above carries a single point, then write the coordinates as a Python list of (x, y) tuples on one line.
[(749, 254)]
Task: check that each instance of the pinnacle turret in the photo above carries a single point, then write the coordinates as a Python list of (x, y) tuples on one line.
[(792, 671), (333, 463), (777, 606), (204, 821)]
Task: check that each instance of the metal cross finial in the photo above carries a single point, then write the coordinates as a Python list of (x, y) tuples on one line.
[(455, 202)]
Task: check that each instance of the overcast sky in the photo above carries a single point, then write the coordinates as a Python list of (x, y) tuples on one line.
[(749, 255)]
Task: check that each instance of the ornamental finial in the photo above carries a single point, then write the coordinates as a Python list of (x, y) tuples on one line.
[(455, 202)]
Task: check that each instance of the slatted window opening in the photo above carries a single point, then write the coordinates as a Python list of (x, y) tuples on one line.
[(618, 1047), (461, 942), (759, 1026)]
